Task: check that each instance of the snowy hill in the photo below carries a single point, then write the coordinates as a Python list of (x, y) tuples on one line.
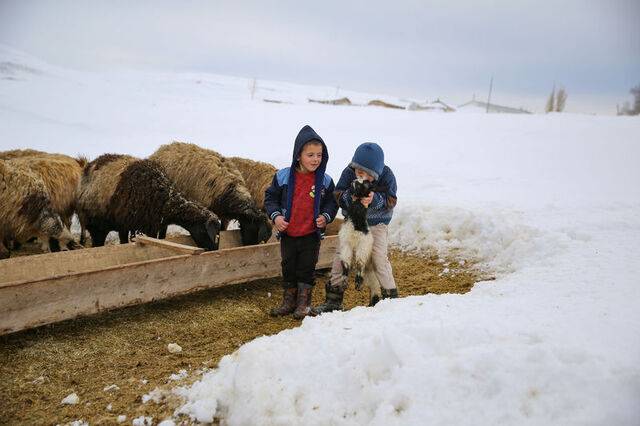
[(551, 203)]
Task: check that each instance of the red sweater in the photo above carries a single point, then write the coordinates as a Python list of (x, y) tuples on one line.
[(302, 222)]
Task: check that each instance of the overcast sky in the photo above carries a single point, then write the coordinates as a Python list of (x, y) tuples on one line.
[(418, 49)]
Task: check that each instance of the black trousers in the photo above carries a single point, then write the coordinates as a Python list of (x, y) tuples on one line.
[(299, 258)]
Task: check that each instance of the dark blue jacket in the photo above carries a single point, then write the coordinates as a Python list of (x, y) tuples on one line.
[(384, 197), (278, 198)]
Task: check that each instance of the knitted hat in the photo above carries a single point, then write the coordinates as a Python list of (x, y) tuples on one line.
[(370, 158)]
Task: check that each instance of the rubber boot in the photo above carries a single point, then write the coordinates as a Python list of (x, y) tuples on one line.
[(390, 294), (288, 305), (333, 301), (303, 307)]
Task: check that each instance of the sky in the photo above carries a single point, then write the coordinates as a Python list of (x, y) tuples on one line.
[(414, 49)]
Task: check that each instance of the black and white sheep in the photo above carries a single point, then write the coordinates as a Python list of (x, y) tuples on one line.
[(26, 209), (356, 242), (210, 179), (129, 195)]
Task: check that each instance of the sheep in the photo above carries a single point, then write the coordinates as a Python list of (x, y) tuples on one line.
[(212, 180), (61, 175), (356, 242), (26, 209), (18, 153), (123, 193), (257, 177)]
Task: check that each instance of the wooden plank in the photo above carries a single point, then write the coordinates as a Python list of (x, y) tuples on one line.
[(48, 265), (178, 248), (33, 303)]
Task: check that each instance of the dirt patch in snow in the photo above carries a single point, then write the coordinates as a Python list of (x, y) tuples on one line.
[(128, 347)]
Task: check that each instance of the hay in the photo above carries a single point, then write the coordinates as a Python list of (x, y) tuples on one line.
[(42, 366)]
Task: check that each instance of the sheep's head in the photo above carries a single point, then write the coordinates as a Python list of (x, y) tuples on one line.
[(255, 228), (360, 188), (207, 234)]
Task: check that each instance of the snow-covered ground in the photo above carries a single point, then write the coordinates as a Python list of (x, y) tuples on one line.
[(551, 203)]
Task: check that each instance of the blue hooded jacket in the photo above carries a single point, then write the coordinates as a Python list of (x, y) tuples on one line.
[(278, 198), (370, 158)]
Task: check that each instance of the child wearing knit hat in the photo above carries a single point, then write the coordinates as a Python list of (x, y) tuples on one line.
[(367, 163)]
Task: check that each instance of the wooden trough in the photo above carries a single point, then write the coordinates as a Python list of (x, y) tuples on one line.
[(46, 288)]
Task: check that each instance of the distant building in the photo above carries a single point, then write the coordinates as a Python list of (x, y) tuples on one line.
[(341, 101), (435, 106), (473, 104), (377, 102)]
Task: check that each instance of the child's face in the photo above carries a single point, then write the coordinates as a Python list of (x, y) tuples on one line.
[(310, 157), (361, 174)]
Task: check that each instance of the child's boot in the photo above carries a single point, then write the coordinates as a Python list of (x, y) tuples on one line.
[(390, 293), (288, 301), (333, 301), (303, 307)]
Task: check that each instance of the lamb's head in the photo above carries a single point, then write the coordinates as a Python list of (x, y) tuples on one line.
[(360, 188)]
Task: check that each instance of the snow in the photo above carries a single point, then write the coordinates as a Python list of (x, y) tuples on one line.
[(142, 421), (174, 348), (71, 399), (548, 203), (180, 375), (111, 388)]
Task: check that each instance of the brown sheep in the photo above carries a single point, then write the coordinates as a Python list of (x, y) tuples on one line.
[(129, 195), (19, 153), (61, 175), (257, 177), (210, 179), (25, 208)]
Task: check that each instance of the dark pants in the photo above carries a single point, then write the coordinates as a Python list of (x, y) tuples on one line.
[(299, 258)]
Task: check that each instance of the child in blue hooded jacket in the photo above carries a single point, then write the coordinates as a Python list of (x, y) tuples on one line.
[(300, 203), (368, 164)]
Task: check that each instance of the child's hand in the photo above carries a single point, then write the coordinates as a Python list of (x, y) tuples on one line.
[(281, 224), (366, 201), (321, 221)]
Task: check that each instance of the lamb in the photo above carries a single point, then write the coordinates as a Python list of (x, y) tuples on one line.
[(257, 177), (26, 209), (210, 179), (356, 242), (123, 193)]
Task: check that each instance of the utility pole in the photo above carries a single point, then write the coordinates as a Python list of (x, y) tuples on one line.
[(490, 89)]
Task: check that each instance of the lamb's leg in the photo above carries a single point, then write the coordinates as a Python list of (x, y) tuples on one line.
[(371, 280), (346, 254), (362, 258)]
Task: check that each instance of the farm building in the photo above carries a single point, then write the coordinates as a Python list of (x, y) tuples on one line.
[(479, 106), (341, 101)]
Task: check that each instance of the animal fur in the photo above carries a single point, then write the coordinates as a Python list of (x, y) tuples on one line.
[(123, 193), (61, 175), (257, 176), (210, 179), (18, 153), (26, 210), (356, 242)]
